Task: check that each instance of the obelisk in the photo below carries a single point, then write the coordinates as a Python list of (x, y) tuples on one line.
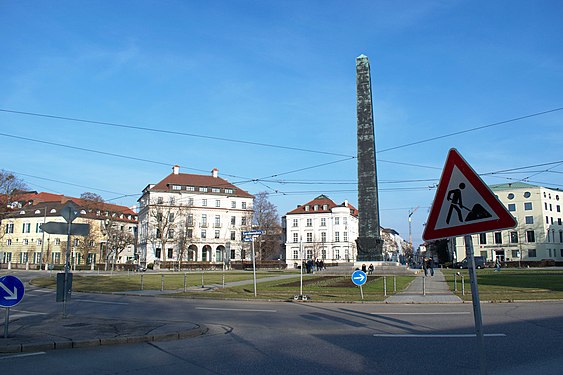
[(369, 243)]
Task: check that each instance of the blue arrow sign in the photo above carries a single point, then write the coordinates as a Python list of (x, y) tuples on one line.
[(359, 277), (11, 291)]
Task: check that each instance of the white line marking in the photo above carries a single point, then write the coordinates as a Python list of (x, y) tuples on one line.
[(22, 355), (423, 313), (29, 312), (106, 302), (224, 309), (453, 335)]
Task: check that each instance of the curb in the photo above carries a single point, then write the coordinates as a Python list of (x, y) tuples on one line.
[(88, 343)]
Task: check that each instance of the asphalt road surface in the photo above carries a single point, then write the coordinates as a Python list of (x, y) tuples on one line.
[(247, 337)]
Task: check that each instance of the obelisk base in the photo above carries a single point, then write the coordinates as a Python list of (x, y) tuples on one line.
[(369, 249)]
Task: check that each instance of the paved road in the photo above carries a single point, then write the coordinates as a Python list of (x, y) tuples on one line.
[(303, 338)]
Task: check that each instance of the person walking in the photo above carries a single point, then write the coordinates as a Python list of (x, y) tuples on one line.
[(431, 266), (425, 266), (497, 265)]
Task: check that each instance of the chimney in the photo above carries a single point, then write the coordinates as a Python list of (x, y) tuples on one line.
[(176, 169), (346, 203), (214, 172)]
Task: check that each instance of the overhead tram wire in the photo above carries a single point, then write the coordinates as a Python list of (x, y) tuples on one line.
[(172, 132)]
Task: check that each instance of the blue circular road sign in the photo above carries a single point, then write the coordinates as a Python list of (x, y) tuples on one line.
[(11, 291), (359, 277)]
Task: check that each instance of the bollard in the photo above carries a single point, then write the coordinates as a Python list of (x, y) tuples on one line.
[(424, 286), (462, 285), (162, 283), (455, 282), (394, 284), (185, 275), (142, 285), (202, 284), (385, 286)]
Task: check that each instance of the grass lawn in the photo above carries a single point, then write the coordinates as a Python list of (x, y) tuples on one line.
[(511, 284), (318, 288)]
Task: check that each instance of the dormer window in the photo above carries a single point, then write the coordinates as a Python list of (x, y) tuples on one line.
[(176, 187), (53, 211), (307, 208), (203, 189), (325, 207), (37, 211), (316, 208), (22, 212)]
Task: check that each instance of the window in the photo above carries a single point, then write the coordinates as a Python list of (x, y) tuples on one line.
[(170, 253), (529, 220), (547, 219), (528, 206), (531, 253), (190, 219), (203, 233), (336, 236), (38, 228), (189, 233), (527, 194), (323, 222), (337, 254), (323, 236), (172, 201), (233, 235), (243, 205), (8, 242), (309, 237), (57, 241), (309, 222), (511, 207), (295, 222), (513, 237), (482, 238), (217, 221), (190, 188), (170, 233), (203, 220), (215, 190), (159, 200), (558, 208), (530, 236), (309, 253), (204, 202), (295, 254), (345, 220), (323, 253), (176, 187), (171, 217), (26, 228), (233, 204), (325, 207), (561, 236), (295, 237), (510, 196), (10, 228), (515, 254), (217, 203), (233, 220), (203, 189), (190, 201), (26, 241), (545, 205), (228, 191), (316, 207), (498, 238), (216, 234), (345, 236), (306, 208), (336, 220), (243, 220), (23, 257), (38, 242)]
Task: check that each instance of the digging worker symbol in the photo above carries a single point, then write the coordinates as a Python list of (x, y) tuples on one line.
[(454, 196), (456, 204)]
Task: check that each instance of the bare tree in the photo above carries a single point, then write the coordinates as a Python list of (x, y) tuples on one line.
[(118, 240), (267, 219), (185, 234), (162, 219), (87, 245), (10, 185), (92, 197)]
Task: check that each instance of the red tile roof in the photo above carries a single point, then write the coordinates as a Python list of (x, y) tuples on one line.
[(320, 201), (197, 180)]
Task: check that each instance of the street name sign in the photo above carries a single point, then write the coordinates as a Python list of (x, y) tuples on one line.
[(53, 227), (256, 232), (359, 277), (464, 204), (247, 239), (11, 291)]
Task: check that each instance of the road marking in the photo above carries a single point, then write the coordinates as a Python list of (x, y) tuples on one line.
[(22, 355), (438, 335), (225, 309), (423, 313), (103, 302), (23, 313)]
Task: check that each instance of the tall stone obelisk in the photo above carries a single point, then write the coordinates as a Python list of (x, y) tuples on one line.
[(370, 245)]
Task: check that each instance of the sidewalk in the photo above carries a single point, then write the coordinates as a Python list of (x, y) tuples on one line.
[(429, 289)]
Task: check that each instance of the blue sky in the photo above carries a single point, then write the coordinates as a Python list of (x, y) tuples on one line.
[(279, 73)]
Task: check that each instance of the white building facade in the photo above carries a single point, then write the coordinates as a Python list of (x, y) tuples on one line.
[(539, 232), (320, 229), (192, 217)]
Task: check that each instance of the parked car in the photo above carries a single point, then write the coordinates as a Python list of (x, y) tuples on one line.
[(479, 263)]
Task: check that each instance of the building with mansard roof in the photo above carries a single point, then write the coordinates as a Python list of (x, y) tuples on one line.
[(192, 217), (23, 243)]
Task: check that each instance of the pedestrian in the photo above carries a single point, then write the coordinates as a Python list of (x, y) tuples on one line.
[(497, 265), (431, 266), (370, 269), (364, 267), (425, 266)]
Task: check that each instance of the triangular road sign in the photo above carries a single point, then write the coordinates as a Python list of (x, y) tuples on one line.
[(464, 204)]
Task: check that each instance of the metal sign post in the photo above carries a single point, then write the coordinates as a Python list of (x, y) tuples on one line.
[(476, 303), (251, 234), (359, 278)]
